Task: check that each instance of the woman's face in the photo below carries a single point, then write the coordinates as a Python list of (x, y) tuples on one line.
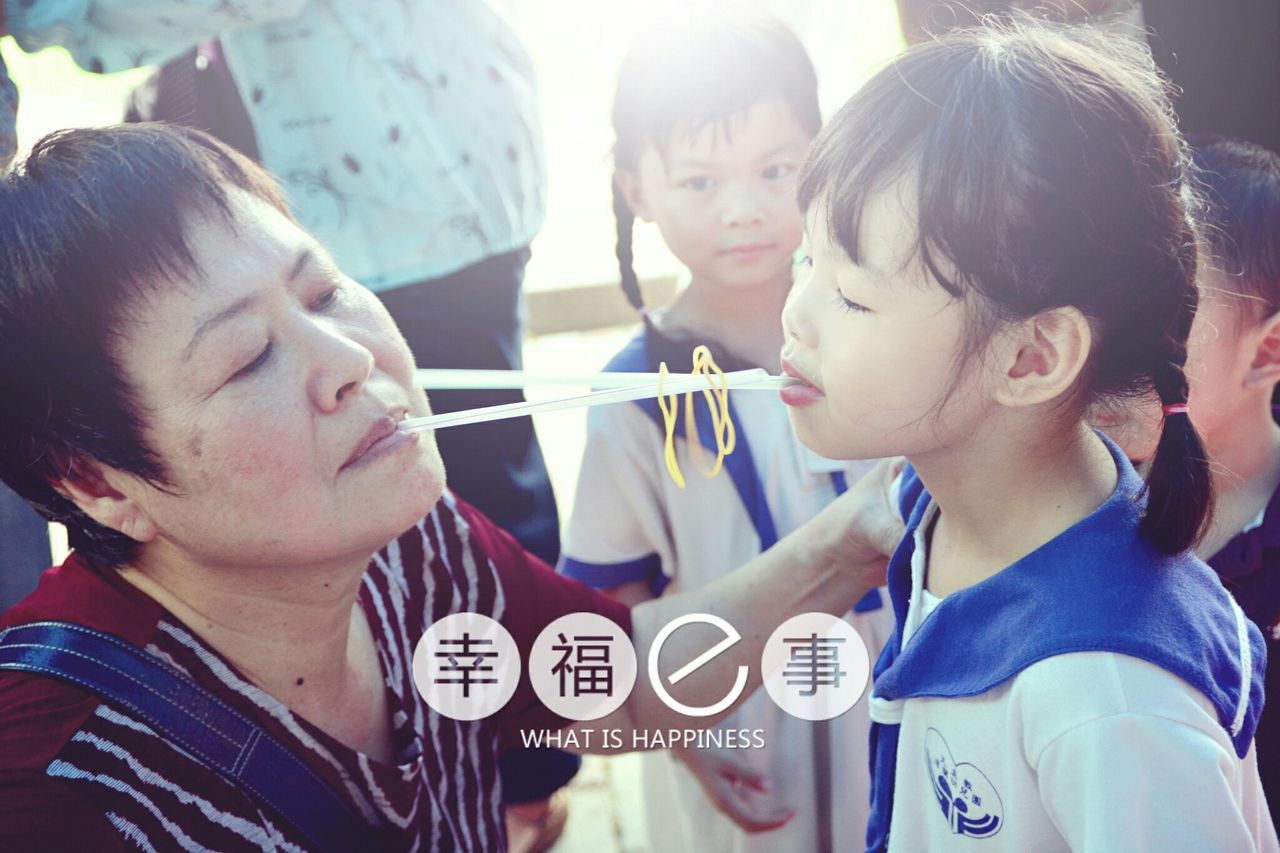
[(270, 385)]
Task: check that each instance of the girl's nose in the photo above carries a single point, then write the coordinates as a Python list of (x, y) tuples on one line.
[(797, 322)]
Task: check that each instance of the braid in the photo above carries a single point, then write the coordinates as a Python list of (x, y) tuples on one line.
[(1179, 485), (626, 226)]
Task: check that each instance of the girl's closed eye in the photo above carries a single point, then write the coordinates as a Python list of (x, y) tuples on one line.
[(847, 304)]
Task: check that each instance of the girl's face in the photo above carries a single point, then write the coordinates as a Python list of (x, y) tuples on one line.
[(877, 342), (725, 203), (270, 387)]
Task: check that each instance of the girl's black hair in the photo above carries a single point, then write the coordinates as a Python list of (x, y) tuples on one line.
[(91, 222), (1048, 172), (683, 75)]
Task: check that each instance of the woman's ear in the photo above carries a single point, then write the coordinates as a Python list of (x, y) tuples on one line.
[(628, 183), (96, 490), (1041, 358), (1264, 369)]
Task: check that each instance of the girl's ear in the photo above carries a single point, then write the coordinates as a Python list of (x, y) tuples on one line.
[(1264, 370), (95, 489), (1042, 357), (628, 183)]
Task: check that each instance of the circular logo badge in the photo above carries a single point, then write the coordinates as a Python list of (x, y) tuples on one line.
[(582, 666), (815, 666), (466, 666)]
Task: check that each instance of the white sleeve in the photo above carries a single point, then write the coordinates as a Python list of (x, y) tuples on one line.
[(1143, 782), (618, 531), (113, 35)]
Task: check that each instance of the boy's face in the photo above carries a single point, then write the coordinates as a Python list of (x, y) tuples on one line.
[(878, 343), (726, 207), (1220, 351), (1221, 348), (270, 386)]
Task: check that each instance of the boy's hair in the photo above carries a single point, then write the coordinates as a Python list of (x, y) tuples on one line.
[(90, 222), (1047, 171), (1240, 182), (686, 74)]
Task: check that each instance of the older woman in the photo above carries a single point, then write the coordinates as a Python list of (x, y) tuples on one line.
[(211, 407)]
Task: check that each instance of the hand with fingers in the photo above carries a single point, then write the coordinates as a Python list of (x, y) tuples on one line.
[(738, 791)]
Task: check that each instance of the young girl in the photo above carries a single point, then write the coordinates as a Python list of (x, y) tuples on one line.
[(713, 119), (1000, 237)]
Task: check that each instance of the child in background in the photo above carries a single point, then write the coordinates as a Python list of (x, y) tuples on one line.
[(1000, 236), (713, 117), (1233, 365)]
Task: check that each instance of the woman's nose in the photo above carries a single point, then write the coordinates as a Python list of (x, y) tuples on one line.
[(340, 367)]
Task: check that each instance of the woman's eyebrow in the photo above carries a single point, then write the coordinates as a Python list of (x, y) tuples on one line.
[(214, 320), (304, 259)]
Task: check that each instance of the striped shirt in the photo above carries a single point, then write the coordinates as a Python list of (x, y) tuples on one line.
[(77, 772)]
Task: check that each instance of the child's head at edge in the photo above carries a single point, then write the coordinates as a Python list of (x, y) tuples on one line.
[(1045, 198), (1233, 356), (693, 94)]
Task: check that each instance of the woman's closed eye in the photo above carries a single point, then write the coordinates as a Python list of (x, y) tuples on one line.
[(252, 367)]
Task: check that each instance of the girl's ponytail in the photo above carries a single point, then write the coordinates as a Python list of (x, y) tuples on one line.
[(1179, 484)]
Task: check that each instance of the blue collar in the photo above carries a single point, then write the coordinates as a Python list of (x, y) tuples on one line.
[(1098, 586)]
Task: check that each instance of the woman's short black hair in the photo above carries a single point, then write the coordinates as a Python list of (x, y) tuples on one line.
[(89, 222)]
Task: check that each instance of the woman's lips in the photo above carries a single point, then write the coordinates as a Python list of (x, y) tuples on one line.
[(802, 393), (382, 439)]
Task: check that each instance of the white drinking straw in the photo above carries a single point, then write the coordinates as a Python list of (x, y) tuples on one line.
[(675, 384), (444, 380)]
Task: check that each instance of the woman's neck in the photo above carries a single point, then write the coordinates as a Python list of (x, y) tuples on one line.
[(747, 321), (296, 632), (1002, 497)]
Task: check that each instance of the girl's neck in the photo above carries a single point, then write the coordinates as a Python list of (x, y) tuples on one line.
[(1245, 455), (1003, 496), (747, 321)]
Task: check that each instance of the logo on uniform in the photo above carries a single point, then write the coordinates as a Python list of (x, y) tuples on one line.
[(968, 800)]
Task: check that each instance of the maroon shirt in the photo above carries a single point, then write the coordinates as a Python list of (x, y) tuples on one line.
[(1249, 566), (80, 773)]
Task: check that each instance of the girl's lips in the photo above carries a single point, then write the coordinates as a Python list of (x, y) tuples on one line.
[(799, 395), (803, 393)]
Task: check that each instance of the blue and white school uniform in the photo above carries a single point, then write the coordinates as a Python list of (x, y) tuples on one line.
[(631, 522), (1094, 695)]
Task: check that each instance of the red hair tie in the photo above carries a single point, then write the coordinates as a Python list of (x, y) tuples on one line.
[(1174, 409)]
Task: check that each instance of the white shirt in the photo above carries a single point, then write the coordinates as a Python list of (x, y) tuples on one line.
[(628, 508), (405, 134), (1089, 751)]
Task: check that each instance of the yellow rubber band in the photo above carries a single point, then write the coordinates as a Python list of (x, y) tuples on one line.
[(717, 396)]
